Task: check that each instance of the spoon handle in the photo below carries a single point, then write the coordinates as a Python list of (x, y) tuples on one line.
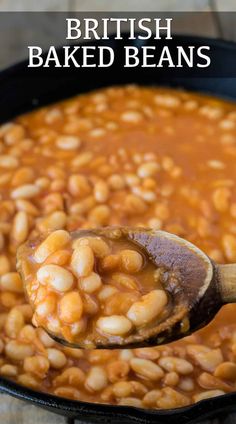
[(227, 282)]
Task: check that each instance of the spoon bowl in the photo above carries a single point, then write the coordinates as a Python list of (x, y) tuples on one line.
[(196, 286)]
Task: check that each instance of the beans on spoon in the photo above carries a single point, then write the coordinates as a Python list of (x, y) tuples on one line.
[(121, 287)]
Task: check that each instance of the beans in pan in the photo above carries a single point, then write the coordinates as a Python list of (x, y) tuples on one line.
[(130, 156)]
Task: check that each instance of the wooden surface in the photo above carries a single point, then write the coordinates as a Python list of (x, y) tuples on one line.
[(115, 5), (13, 411)]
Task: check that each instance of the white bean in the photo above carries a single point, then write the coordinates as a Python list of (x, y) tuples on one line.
[(59, 278), (115, 324), (149, 307)]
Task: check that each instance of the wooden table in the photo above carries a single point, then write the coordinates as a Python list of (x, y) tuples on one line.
[(13, 411)]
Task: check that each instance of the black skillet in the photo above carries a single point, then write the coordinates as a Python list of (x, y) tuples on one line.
[(23, 89)]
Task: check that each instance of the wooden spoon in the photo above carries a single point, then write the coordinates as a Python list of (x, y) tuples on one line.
[(197, 286)]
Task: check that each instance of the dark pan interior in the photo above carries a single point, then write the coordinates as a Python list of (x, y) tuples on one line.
[(23, 89)]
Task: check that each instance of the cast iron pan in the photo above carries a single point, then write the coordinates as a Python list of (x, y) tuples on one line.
[(23, 89)]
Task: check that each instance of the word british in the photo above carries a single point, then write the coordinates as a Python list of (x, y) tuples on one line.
[(103, 56)]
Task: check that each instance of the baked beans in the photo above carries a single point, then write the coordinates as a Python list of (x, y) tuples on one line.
[(66, 276), (128, 156)]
